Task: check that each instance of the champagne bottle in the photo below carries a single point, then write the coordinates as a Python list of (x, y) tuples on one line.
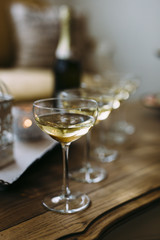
[(67, 69)]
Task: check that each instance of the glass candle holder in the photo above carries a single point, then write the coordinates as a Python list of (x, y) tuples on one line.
[(24, 124), (6, 130)]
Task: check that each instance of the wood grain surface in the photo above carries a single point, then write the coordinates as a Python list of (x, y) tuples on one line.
[(133, 182)]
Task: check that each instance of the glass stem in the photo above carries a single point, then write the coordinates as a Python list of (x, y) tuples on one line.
[(65, 187), (88, 148)]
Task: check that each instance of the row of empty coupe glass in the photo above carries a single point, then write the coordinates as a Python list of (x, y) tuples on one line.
[(70, 116)]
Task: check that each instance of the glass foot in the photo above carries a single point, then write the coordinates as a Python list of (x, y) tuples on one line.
[(73, 203), (125, 127), (89, 175), (116, 137), (105, 155)]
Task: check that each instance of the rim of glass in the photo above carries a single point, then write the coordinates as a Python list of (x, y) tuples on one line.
[(35, 103), (99, 92)]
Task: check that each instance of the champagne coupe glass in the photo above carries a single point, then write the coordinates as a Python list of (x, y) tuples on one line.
[(97, 81), (123, 85), (88, 173), (130, 84), (127, 84), (65, 120)]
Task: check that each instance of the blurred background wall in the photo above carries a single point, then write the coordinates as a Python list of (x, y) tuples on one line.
[(126, 33), (131, 31)]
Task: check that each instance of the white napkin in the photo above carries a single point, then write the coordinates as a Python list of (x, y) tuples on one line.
[(25, 153)]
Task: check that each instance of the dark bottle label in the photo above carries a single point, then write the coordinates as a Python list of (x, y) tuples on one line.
[(67, 74)]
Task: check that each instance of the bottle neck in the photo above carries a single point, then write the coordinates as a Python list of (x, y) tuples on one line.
[(63, 50)]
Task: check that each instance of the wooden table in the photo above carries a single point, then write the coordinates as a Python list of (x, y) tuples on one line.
[(133, 183)]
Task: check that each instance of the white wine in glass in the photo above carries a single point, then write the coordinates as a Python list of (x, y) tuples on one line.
[(125, 85), (65, 121), (89, 173)]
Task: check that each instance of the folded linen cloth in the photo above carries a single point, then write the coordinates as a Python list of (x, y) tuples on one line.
[(25, 153), (28, 83)]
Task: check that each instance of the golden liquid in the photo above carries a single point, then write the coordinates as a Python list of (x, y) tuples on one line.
[(121, 94), (65, 127), (103, 113), (105, 106), (131, 86), (104, 109), (89, 111), (105, 102)]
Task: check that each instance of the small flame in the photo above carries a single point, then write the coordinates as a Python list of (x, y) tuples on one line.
[(27, 123)]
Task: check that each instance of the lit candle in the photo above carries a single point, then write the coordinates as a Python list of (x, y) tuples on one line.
[(24, 125), (27, 123)]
